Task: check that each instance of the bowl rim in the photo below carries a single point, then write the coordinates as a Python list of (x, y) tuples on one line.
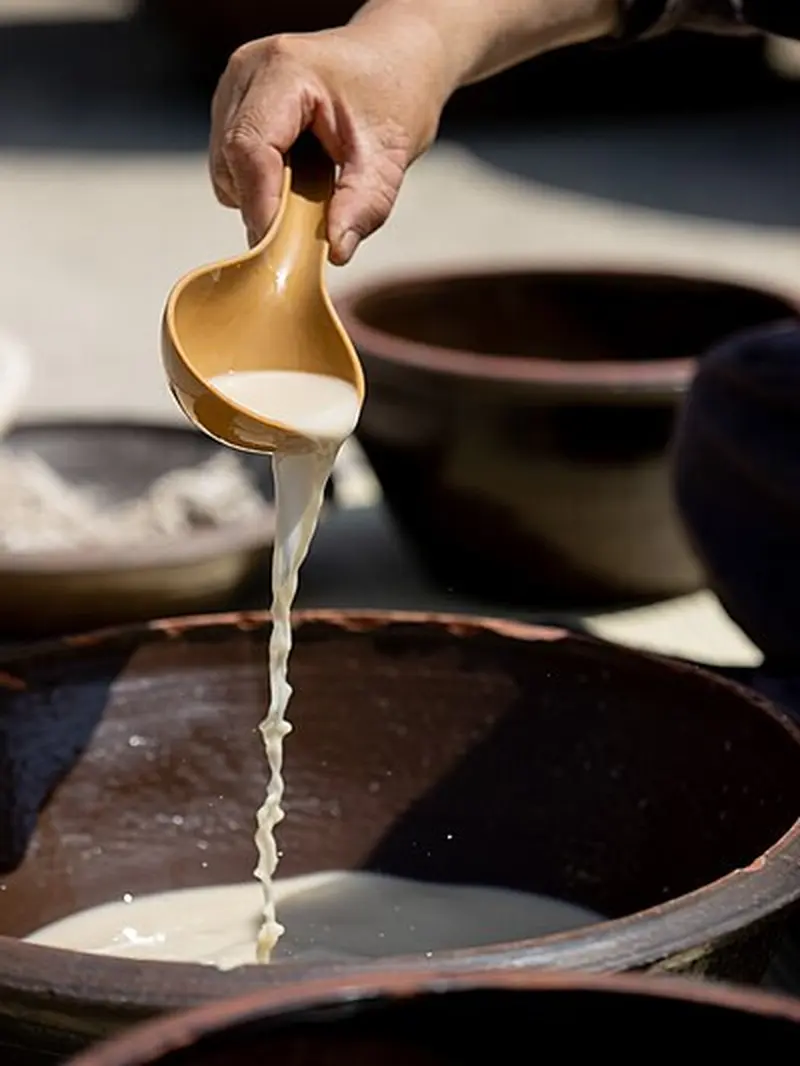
[(165, 554), (656, 378), (769, 884), (290, 1001), (16, 372)]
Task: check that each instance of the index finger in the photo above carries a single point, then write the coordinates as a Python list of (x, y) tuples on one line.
[(255, 140), (227, 98)]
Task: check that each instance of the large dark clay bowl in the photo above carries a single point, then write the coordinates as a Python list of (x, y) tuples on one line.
[(651, 793), (520, 423), (430, 1019)]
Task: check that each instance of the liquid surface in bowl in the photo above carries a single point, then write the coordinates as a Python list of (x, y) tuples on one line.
[(330, 917), (325, 410)]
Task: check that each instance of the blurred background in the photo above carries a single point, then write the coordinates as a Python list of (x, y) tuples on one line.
[(683, 153)]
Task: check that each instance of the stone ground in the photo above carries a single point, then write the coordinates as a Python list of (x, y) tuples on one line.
[(104, 202)]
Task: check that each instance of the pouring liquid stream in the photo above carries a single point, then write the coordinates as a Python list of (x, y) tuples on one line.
[(325, 410)]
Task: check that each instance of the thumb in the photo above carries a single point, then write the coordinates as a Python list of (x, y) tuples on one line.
[(366, 190)]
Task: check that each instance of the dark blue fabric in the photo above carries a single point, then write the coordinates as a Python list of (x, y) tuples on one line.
[(737, 477), (46, 722), (640, 18)]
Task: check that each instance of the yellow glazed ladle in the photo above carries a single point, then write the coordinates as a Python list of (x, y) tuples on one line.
[(268, 309)]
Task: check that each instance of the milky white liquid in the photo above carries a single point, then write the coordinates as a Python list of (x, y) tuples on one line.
[(329, 917), (325, 410)]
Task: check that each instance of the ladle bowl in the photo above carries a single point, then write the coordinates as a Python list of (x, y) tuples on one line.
[(436, 1019), (649, 792), (268, 309)]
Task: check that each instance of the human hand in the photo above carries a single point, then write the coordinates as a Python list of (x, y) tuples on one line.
[(374, 105)]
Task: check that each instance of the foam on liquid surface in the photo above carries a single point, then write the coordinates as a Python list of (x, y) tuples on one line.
[(325, 410)]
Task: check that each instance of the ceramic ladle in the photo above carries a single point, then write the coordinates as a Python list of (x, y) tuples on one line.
[(268, 309)]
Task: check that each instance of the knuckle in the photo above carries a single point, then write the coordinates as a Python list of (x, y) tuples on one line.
[(218, 174), (278, 46), (221, 180), (382, 194), (264, 52), (240, 60), (225, 196), (374, 213), (243, 140)]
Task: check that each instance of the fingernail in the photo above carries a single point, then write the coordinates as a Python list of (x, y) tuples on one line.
[(347, 245)]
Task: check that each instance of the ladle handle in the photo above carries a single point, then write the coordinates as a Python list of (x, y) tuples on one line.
[(301, 243)]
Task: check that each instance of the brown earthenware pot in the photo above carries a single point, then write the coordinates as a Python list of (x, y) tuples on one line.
[(520, 423), (51, 592), (646, 791), (429, 1018)]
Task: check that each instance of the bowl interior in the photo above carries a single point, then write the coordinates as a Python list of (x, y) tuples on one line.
[(614, 781), (566, 316), (123, 460)]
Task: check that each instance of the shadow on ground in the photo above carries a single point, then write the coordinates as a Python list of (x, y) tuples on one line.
[(741, 166)]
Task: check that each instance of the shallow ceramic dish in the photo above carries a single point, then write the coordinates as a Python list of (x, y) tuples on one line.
[(430, 1019), (66, 591), (647, 791), (521, 422)]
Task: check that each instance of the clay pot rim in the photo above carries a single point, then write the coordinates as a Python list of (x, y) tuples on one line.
[(126, 987), (139, 1046), (639, 381), (166, 554)]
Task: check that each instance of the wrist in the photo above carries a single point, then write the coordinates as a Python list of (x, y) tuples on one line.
[(464, 41), (523, 29), (412, 42)]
